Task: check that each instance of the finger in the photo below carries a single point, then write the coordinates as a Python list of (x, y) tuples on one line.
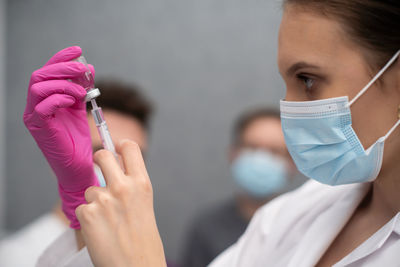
[(79, 211), (64, 55), (108, 165), (41, 90), (86, 213), (57, 71), (48, 107), (93, 192), (131, 157)]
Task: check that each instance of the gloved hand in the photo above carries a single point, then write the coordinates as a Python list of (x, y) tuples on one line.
[(55, 115)]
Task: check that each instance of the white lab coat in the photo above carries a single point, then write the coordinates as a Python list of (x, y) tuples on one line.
[(295, 229), (23, 248)]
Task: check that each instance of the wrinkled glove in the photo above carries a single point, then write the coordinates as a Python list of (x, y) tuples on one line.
[(55, 115)]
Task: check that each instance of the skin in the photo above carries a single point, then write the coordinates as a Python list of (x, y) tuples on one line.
[(341, 68), (261, 134)]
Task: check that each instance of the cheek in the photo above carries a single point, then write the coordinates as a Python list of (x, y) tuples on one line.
[(349, 82), (294, 92)]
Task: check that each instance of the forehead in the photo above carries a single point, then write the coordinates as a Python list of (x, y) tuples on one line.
[(308, 35)]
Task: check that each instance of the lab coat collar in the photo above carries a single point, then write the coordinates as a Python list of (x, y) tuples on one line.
[(397, 224), (375, 242), (321, 233)]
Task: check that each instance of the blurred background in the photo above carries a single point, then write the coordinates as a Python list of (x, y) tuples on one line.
[(202, 62)]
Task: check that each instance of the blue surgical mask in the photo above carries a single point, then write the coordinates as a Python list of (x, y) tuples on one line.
[(323, 144), (259, 173)]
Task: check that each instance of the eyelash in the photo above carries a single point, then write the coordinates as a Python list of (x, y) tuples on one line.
[(307, 82)]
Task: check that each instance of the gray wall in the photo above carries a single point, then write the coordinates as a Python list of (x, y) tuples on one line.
[(2, 111), (201, 61)]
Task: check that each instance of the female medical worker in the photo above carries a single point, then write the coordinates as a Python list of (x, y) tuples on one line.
[(339, 60)]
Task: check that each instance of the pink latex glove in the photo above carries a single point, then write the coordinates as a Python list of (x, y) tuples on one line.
[(55, 115)]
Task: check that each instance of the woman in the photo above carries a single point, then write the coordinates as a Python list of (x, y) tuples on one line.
[(339, 112)]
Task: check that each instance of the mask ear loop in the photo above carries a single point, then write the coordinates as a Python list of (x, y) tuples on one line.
[(379, 74), (395, 125), (392, 129)]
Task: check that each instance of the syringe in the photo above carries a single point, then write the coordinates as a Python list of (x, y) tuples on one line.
[(102, 128), (92, 93)]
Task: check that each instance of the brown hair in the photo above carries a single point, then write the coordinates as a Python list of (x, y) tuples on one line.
[(245, 119), (372, 24), (125, 98)]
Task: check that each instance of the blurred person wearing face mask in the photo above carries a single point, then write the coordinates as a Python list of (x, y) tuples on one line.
[(127, 113), (261, 168)]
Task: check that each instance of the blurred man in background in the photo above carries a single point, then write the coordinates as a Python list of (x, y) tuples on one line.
[(127, 113), (261, 168)]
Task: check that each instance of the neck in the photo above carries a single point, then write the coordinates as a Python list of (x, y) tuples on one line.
[(385, 195), (385, 191)]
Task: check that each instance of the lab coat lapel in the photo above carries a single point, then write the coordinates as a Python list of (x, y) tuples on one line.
[(322, 232), (374, 243)]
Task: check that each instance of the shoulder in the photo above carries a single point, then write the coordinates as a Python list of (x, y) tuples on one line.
[(310, 192), (308, 200), (277, 227)]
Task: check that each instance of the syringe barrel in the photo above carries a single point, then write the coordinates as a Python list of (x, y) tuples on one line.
[(103, 130), (98, 116), (106, 138)]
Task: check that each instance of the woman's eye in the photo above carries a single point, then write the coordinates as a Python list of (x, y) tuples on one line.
[(308, 82)]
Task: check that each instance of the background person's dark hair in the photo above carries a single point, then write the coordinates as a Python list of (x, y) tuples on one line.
[(125, 98), (372, 24), (245, 119)]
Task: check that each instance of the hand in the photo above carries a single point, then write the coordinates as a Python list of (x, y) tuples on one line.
[(118, 223), (55, 115)]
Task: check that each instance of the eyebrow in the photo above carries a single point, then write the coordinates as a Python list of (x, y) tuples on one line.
[(299, 65)]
